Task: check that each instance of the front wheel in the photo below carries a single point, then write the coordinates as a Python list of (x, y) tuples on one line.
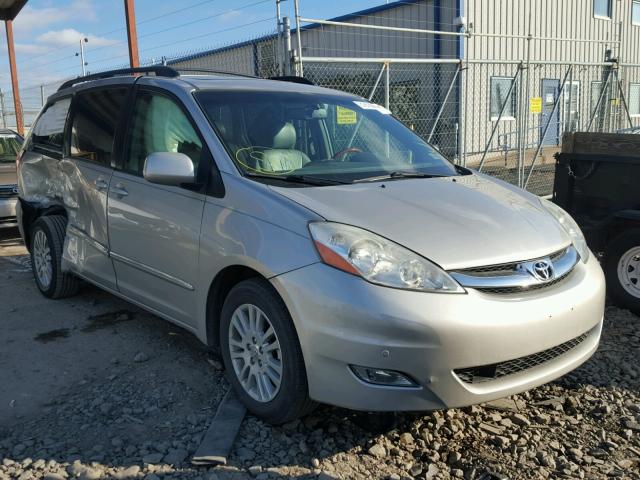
[(622, 269), (47, 240), (262, 354)]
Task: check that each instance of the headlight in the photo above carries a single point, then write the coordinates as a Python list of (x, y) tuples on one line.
[(570, 226), (377, 259)]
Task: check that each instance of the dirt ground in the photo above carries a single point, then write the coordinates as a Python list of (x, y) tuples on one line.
[(93, 387)]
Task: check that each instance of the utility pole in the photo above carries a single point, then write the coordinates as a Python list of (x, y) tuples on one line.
[(132, 35), (14, 77), (83, 63)]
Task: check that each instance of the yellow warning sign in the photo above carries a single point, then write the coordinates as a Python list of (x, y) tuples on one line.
[(344, 116), (535, 105)]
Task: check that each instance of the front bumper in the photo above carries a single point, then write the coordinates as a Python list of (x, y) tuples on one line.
[(343, 320), (8, 210)]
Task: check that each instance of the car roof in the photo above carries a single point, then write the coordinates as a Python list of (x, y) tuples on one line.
[(190, 82)]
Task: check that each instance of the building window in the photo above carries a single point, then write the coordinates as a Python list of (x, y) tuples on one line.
[(499, 90), (635, 12), (602, 8), (634, 100)]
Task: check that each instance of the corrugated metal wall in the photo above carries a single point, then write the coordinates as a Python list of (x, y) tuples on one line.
[(551, 19), (339, 41), (554, 20)]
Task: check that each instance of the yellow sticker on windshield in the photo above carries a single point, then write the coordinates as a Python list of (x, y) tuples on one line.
[(344, 116)]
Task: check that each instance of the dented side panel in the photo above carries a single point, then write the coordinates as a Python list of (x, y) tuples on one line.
[(87, 243), (80, 190)]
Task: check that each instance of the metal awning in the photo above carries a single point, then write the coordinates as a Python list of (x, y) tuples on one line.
[(9, 9)]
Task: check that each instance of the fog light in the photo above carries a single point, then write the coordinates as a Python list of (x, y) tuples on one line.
[(379, 376)]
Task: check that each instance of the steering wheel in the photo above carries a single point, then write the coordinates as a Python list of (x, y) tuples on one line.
[(345, 151)]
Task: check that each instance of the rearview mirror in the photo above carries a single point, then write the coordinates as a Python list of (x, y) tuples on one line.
[(168, 168)]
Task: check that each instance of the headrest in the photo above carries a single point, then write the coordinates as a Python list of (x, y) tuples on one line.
[(285, 138), (270, 132)]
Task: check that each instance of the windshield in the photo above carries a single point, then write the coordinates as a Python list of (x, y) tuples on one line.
[(331, 138), (9, 146)]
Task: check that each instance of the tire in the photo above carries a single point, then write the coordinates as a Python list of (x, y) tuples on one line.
[(622, 270), (278, 404), (47, 235)]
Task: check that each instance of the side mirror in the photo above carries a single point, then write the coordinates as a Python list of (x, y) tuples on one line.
[(168, 168)]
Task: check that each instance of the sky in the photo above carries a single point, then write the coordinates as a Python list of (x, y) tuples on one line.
[(47, 32)]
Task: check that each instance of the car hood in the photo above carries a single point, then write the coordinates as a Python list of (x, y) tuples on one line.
[(456, 222)]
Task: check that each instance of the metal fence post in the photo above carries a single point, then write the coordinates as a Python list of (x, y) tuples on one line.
[(300, 68), (42, 95), (286, 45), (2, 111), (526, 96), (520, 123), (386, 86), (278, 48)]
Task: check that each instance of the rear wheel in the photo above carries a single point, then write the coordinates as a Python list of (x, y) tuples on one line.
[(622, 268), (47, 240), (262, 353)]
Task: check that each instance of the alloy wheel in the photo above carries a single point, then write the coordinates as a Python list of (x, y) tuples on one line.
[(255, 353), (42, 259)]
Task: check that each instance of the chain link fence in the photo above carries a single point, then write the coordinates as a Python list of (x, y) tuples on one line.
[(505, 119)]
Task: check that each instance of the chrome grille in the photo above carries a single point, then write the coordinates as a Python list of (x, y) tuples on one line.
[(531, 288), (516, 277), (495, 371)]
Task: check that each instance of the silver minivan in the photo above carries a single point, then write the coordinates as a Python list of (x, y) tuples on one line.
[(326, 250)]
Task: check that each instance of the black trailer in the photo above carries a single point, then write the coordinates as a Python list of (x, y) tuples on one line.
[(598, 182)]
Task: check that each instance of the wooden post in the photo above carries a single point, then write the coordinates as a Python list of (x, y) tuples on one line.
[(14, 77), (130, 14)]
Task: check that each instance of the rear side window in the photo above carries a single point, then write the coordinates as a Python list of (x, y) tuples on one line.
[(160, 125), (95, 117), (49, 129)]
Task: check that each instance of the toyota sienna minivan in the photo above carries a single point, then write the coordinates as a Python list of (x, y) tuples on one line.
[(326, 250)]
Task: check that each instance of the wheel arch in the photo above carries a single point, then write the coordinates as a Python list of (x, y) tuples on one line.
[(31, 211), (223, 282)]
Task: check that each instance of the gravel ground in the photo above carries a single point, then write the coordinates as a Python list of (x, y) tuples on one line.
[(114, 392)]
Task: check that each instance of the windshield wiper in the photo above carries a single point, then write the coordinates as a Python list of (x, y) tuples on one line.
[(304, 179), (398, 174)]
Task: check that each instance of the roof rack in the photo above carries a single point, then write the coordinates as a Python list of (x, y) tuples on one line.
[(170, 72), (159, 70), (292, 79), (208, 70)]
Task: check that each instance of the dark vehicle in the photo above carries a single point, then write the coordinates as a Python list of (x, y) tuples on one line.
[(10, 143), (598, 182)]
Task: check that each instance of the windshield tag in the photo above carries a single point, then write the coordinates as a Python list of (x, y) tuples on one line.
[(372, 106)]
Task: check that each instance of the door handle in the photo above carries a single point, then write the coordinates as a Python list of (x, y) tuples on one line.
[(101, 184), (119, 190)]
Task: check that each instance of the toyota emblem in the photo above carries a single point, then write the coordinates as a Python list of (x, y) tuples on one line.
[(542, 270)]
